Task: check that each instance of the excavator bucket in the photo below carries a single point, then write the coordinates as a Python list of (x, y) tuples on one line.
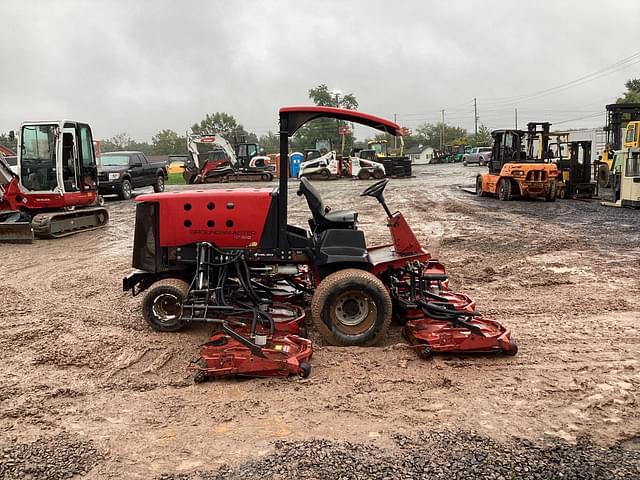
[(15, 227)]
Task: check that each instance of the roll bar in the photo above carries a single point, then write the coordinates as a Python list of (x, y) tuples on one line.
[(291, 119)]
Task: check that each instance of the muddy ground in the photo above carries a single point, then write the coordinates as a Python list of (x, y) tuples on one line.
[(77, 359)]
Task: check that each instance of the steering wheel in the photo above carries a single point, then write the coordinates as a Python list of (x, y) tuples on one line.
[(376, 189)]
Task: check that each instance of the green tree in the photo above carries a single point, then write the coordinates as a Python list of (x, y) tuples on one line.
[(270, 142), (223, 124), (5, 141), (167, 142), (632, 95), (122, 141), (483, 138), (432, 134), (325, 128)]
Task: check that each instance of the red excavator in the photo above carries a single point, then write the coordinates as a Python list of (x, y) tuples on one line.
[(55, 190), (222, 163), (228, 257)]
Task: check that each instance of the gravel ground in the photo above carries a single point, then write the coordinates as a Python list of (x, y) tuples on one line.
[(49, 458), (434, 456), (77, 359)]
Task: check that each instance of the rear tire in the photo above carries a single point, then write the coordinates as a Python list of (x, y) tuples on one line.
[(551, 194), (125, 191), (562, 194), (363, 174), (162, 304), (159, 185), (604, 176), (324, 173), (351, 307), (504, 189)]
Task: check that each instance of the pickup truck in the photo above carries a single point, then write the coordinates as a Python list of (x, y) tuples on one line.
[(120, 172), (479, 155)]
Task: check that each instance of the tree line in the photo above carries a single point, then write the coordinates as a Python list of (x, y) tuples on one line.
[(169, 142)]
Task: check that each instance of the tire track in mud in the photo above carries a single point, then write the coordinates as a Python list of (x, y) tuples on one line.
[(78, 355)]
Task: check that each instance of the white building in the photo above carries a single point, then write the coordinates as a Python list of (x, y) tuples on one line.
[(597, 136), (420, 155)]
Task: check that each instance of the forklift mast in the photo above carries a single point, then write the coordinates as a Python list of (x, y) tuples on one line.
[(538, 131), (617, 114)]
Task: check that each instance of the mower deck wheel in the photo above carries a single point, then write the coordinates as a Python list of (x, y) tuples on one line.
[(512, 350), (200, 377), (351, 307), (162, 304), (425, 352), (305, 369)]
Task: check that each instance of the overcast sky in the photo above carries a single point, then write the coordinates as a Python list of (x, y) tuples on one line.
[(141, 66)]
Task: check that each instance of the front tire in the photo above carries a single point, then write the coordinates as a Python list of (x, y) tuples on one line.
[(162, 304), (504, 189), (479, 191), (125, 191), (351, 307), (159, 185), (378, 174)]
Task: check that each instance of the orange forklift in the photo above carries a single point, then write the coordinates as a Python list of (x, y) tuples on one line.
[(520, 165)]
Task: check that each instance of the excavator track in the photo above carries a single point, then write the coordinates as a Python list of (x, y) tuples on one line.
[(63, 224), (241, 177)]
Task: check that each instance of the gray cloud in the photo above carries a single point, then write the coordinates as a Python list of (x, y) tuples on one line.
[(140, 66)]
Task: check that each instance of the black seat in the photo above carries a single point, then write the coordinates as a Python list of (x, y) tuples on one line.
[(323, 217)]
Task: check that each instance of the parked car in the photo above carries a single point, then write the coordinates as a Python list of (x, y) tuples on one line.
[(121, 172), (479, 155)]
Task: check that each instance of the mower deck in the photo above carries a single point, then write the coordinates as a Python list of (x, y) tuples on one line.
[(229, 354), (430, 336)]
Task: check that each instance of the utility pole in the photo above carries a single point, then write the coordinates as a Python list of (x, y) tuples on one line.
[(475, 116), (442, 132), (395, 138), (516, 111)]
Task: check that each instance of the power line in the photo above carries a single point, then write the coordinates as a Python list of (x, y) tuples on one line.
[(613, 68)]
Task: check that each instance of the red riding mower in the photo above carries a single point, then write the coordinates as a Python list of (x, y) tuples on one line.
[(228, 257)]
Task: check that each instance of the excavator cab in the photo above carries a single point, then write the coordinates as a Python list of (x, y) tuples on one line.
[(56, 157), (245, 152)]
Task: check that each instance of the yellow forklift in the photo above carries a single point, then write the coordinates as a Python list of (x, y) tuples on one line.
[(617, 115)]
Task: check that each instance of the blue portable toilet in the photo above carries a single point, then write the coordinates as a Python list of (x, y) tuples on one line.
[(295, 159)]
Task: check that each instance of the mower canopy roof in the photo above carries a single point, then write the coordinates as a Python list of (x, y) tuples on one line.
[(298, 116)]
